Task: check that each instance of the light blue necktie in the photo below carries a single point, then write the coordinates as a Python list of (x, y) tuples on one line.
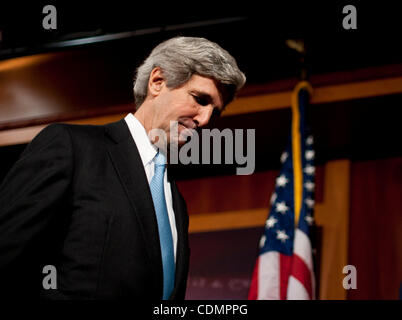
[(165, 233)]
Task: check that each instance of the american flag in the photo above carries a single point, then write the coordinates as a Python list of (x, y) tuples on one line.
[(284, 267)]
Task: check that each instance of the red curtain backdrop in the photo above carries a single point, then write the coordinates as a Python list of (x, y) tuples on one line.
[(375, 230)]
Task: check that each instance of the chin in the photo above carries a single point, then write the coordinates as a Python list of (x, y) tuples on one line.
[(175, 143), (181, 143)]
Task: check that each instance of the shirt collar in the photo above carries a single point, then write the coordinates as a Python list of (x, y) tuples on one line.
[(146, 149)]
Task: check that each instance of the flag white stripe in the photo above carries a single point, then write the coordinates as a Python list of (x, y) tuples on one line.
[(268, 276), (302, 247), (296, 290)]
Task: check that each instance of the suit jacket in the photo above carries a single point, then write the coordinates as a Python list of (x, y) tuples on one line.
[(78, 198)]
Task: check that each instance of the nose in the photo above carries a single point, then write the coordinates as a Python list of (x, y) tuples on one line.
[(203, 116)]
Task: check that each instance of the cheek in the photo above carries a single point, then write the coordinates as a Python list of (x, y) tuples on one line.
[(181, 109), (178, 105)]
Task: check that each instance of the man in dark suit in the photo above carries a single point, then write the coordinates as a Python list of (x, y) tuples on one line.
[(94, 202)]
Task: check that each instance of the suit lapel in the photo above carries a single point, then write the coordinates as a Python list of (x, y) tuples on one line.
[(127, 162)]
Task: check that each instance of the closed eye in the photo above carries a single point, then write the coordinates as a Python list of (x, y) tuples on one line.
[(205, 100), (201, 100)]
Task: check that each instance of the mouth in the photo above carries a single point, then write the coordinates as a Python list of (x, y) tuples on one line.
[(188, 124)]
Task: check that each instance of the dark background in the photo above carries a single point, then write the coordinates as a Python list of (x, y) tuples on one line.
[(255, 32)]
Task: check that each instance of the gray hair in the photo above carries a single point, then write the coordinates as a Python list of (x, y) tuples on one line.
[(181, 57)]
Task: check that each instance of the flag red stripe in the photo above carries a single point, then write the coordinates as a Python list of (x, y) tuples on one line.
[(302, 273), (253, 291), (285, 263)]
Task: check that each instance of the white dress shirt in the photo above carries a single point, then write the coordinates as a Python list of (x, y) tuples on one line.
[(148, 152)]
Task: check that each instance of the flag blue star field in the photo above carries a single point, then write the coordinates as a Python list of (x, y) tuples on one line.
[(284, 267)]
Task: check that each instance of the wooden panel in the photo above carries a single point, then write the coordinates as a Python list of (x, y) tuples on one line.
[(51, 85), (333, 216), (228, 193), (324, 94), (228, 220), (25, 135), (245, 105)]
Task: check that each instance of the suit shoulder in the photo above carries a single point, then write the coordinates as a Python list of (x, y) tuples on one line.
[(48, 135), (83, 128), (79, 132), (54, 136), (55, 130), (64, 133)]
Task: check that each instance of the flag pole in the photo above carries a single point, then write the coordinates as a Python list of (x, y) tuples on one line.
[(299, 46)]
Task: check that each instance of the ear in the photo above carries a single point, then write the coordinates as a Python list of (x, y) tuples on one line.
[(156, 82)]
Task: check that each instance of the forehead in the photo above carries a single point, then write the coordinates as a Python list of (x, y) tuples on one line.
[(206, 86)]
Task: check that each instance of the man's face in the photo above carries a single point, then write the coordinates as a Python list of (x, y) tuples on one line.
[(191, 105)]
